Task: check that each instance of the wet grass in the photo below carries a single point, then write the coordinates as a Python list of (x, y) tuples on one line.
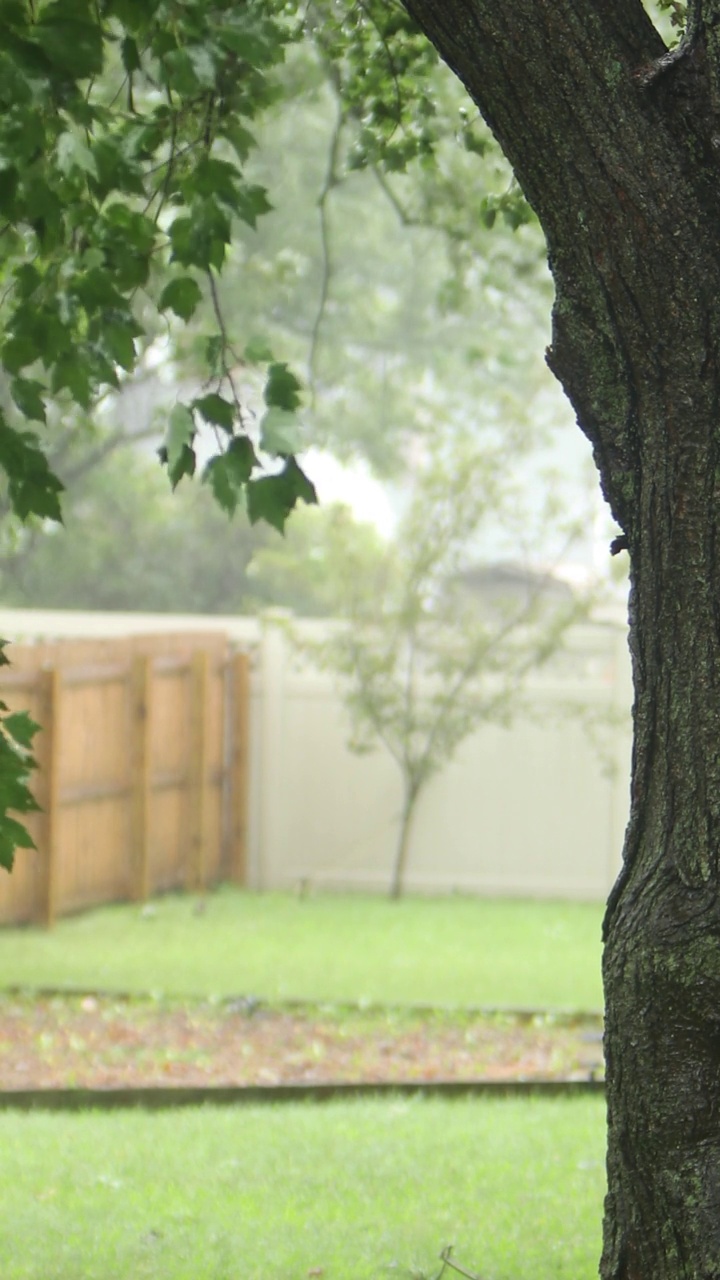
[(346, 1191), (445, 951)]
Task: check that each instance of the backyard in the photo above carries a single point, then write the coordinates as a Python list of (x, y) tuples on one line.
[(343, 1191), (456, 951), (267, 989)]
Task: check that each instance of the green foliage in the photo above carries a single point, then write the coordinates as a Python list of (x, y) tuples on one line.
[(381, 64), (123, 142), (114, 128), (142, 152), (17, 731), (406, 309), (182, 296), (675, 9), (282, 390), (130, 544)]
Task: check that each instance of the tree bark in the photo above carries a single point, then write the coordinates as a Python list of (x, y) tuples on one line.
[(622, 166), (402, 849)]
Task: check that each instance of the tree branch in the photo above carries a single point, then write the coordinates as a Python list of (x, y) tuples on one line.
[(330, 181)]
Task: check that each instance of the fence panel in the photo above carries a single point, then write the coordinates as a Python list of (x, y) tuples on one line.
[(136, 770), (528, 810)]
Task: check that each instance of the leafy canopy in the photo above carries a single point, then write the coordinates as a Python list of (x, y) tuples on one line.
[(123, 138), (126, 127), (124, 130)]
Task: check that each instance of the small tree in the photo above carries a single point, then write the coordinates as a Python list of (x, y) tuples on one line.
[(424, 659)]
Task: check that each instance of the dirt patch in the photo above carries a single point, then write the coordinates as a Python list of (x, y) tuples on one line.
[(104, 1042)]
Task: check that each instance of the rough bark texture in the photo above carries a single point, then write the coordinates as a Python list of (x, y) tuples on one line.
[(623, 169)]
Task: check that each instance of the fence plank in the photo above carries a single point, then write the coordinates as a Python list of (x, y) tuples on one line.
[(240, 768), (140, 731), (199, 691), (140, 688), (49, 765)]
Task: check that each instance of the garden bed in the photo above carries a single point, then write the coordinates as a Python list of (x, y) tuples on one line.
[(107, 1042)]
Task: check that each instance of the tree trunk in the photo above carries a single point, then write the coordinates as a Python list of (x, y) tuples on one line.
[(402, 849), (621, 167)]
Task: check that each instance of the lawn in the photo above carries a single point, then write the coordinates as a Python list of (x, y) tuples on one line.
[(444, 951), (346, 1191)]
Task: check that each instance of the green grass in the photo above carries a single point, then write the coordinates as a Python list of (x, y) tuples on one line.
[(446, 951), (360, 1190)]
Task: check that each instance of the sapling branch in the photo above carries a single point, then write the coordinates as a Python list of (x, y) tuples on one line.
[(330, 181), (226, 348)]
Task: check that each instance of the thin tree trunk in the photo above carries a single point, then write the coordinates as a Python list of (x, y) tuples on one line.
[(402, 849), (622, 170)]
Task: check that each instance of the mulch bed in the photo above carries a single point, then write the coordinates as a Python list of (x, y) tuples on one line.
[(107, 1042)]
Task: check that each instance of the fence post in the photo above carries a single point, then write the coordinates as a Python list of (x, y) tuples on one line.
[(49, 799), (198, 781), (272, 755), (240, 767), (140, 688)]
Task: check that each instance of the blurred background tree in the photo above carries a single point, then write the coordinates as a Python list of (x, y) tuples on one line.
[(432, 644)]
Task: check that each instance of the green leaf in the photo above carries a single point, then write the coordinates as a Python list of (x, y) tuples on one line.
[(14, 14), (218, 475), (214, 348), (9, 179), (21, 727), (118, 340), (18, 352), (258, 351), (33, 488), (299, 484), (182, 296), (42, 328), (215, 409), (12, 836), (114, 171), (200, 240), (72, 373), (95, 289), (213, 177), (282, 388), (127, 238), (72, 46), (279, 432), (130, 55), (27, 279), (240, 459), (184, 466), (229, 472), (251, 202), (180, 433), (273, 498), (255, 41), (28, 396), (240, 139), (180, 73), (135, 15), (73, 153), (203, 65)]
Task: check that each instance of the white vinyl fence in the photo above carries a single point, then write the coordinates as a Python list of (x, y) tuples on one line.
[(533, 810)]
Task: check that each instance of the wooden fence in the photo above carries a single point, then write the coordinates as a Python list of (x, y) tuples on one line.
[(143, 779)]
